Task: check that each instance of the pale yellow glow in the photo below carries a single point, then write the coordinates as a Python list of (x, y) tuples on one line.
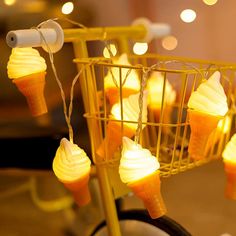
[(224, 125), (140, 48), (169, 43), (230, 150), (110, 50), (129, 77), (210, 2), (136, 162), (188, 15), (67, 8), (9, 2)]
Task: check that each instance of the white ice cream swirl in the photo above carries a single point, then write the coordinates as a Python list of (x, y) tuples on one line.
[(25, 61), (70, 162), (131, 109), (209, 97), (229, 151), (136, 162), (129, 76), (155, 88)]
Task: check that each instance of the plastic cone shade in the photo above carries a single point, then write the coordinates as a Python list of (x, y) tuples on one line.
[(148, 189), (230, 189), (113, 94), (113, 139), (80, 190), (32, 87), (201, 126)]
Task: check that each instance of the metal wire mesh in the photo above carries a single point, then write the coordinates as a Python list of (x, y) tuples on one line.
[(167, 134)]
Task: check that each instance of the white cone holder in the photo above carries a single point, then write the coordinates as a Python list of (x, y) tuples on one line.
[(154, 30), (49, 31)]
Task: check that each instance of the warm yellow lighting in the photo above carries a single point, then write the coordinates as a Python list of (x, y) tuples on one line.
[(210, 97), (9, 2), (140, 48), (224, 125), (210, 2), (110, 51), (67, 8), (27, 69), (188, 15), (139, 170), (129, 79), (72, 167), (169, 43), (116, 130), (230, 150), (155, 88), (136, 162), (207, 106)]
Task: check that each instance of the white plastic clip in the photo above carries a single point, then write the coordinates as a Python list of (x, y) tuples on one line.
[(49, 31), (154, 30)]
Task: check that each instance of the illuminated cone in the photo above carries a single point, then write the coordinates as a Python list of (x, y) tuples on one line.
[(72, 167), (79, 190), (148, 189), (32, 87), (201, 126), (113, 94), (230, 171), (113, 139)]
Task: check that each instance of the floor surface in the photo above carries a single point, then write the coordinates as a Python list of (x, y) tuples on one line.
[(194, 198)]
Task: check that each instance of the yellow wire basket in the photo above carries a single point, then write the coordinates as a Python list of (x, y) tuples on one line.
[(168, 137)]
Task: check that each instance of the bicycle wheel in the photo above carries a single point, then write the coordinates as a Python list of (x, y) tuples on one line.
[(139, 223)]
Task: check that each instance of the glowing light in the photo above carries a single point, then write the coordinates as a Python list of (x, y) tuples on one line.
[(210, 2), (140, 48), (224, 125), (229, 151), (110, 50), (67, 8), (169, 43), (9, 2), (188, 15)]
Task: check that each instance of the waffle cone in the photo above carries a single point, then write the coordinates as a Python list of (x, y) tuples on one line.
[(32, 87), (113, 94), (113, 139), (201, 126), (79, 190), (230, 189), (148, 189)]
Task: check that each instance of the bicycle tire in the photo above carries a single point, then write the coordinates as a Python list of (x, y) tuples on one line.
[(164, 223)]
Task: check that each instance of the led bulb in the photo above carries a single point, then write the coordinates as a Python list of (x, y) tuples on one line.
[(27, 69), (118, 75), (188, 15), (139, 170), (72, 166)]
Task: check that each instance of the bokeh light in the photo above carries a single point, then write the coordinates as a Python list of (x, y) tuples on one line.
[(169, 43), (140, 48), (67, 8), (210, 2), (188, 15)]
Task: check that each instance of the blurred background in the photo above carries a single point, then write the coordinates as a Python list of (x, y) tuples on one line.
[(195, 198)]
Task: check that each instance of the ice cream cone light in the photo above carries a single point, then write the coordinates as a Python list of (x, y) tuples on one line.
[(229, 158), (27, 69), (155, 87), (114, 131), (72, 167), (139, 169), (206, 107), (129, 78)]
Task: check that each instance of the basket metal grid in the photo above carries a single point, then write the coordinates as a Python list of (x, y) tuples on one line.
[(166, 138)]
